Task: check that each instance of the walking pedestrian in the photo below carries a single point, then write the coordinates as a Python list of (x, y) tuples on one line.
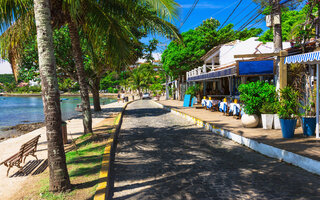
[(118, 97), (122, 97)]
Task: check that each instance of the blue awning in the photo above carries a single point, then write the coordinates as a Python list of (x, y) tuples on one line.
[(214, 74), (306, 58), (261, 67)]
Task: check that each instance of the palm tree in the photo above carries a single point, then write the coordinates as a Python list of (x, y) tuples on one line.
[(137, 79), (77, 54), (59, 177), (98, 18), (105, 18)]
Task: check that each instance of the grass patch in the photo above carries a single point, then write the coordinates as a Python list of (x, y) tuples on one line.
[(84, 164), (117, 119)]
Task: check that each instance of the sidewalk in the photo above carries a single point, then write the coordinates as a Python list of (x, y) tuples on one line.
[(10, 185), (226, 125)]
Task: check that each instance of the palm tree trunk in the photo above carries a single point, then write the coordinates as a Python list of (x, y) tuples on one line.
[(95, 86), (59, 177), (77, 54)]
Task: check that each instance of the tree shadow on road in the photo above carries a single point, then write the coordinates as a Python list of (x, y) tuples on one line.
[(145, 112), (186, 162)]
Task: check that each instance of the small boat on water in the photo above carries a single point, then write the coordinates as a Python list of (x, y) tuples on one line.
[(64, 99), (78, 108)]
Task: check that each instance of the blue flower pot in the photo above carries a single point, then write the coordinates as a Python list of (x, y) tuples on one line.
[(309, 125), (287, 127)]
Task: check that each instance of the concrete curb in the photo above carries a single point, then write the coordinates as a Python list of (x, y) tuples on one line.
[(303, 162), (103, 189)]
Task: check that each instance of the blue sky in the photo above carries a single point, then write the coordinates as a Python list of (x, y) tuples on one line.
[(218, 9)]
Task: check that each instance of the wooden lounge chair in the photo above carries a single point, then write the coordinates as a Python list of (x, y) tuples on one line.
[(28, 148)]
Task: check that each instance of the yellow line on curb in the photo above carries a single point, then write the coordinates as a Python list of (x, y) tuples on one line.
[(105, 166), (104, 173)]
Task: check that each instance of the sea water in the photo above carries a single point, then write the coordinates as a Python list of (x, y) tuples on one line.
[(24, 110)]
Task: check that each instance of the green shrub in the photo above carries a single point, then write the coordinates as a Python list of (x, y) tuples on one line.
[(10, 87), (156, 88), (258, 97), (110, 90), (310, 104), (34, 89), (289, 103), (22, 89), (270, 107), (192, 90)]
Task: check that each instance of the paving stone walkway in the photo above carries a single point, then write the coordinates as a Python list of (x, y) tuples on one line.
[(161, 156)]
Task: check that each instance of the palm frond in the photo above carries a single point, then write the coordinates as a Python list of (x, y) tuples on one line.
[(13, 39), (166, 9)]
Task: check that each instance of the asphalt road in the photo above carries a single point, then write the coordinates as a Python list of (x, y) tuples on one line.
[(162, 156)]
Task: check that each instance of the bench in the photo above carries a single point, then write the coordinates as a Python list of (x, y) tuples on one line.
[(28, 148)]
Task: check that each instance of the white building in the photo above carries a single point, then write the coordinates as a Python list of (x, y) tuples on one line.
[(222, 73)]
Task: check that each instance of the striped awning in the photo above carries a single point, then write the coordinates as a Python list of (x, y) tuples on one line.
[(306, 58)]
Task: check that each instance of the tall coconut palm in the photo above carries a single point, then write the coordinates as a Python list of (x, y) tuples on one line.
[(77, 54), (106, 22), (59, 178), (98, 18)]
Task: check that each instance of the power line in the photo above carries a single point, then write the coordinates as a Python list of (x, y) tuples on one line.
[(242, 11), (251, 19), (230, 14), (249, 13), (257, 23), (215, 14), (189, 13)]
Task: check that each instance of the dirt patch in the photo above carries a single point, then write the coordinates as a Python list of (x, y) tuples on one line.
[(31, 191), (20, 129), (25, 128), (83, 157)]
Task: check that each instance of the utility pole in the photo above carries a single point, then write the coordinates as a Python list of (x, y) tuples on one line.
[(276, 23), (318, 23), (167, 87), (281, 70)]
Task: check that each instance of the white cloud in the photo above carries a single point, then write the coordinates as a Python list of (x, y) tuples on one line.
[(202, 5), (5, 67), (156, 56)]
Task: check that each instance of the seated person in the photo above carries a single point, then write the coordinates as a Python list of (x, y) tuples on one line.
[(204, 101)]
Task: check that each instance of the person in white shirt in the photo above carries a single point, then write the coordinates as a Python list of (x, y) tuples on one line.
[(122, 97)]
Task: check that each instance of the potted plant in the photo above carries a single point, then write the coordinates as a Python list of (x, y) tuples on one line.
[(257, 97), (276, 119), (269, 106), (309, 118), (267, 115), (288, 111)]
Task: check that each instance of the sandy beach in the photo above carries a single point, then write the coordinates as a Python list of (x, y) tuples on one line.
[(11, 184)]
